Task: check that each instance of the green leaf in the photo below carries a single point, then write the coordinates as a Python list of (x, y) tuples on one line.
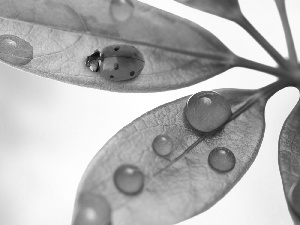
[(229, 9), (189, 186), (62, 34), (289, 156)]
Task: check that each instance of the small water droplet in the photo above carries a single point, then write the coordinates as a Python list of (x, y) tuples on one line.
[(92, 210), (15, 50), (121, 10), (221, 159), (294, 197), (129, 179), (162, 145)]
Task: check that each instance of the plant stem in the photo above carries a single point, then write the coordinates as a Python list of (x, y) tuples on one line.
[(262, 93), (245, 24), (249, 64), (287, 31)]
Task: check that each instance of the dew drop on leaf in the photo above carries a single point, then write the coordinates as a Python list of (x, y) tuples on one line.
[(15, 50), (221, 159), (294, 197), (121, 10), (162, 145), (206, 111), (92, 210), (129, 179)]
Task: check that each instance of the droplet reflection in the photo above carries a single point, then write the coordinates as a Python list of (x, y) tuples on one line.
[(92, 210), (294, 197), (121, 10), (162, 145), (129, 179), (221, 159)]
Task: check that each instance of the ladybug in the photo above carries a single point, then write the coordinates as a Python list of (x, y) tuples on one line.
[(117, 62), (92, 61)]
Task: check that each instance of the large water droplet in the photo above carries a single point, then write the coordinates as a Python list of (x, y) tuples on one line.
[(206, 111), (121, 10), (162, 145), (129, 179), (294, 197), (92, 210), (15, 50), (221, 159)]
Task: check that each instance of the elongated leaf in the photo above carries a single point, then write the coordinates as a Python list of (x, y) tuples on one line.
[(289, 157), (188, 187), (229, 9), (177, 52)]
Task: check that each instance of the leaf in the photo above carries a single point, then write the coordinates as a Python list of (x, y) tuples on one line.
[(229, 9), (177, 52), (289, 154), (189, 186)]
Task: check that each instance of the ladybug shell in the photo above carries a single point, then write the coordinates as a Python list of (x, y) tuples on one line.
[(121, 62)]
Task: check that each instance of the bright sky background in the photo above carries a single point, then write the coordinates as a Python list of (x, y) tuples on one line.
[(49, 131)]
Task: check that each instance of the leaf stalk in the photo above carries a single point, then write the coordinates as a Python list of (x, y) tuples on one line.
[(246, 25), (287, 31), (249, 64)]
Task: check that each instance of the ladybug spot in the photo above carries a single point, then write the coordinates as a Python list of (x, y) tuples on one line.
[(111, 76), (132, 73), (116, 66), (117, 48)]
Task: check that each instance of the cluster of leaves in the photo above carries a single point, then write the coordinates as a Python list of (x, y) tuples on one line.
[(54, 42)]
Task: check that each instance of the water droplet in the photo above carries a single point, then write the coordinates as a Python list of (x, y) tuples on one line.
[(294, 197), (129, 179), (221, 159), (92, 210), (15, 50), (121, 10), (207, 111), (162, 145)]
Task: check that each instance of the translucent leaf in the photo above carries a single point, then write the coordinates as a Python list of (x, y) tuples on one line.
[(229, 9), (188, 187), (289, 158), (177, 52)]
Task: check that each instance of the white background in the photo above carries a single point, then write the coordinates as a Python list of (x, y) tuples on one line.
[(49, 131)]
